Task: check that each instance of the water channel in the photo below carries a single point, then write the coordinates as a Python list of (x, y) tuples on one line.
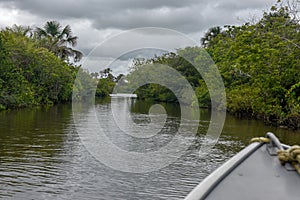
[(43, 157)]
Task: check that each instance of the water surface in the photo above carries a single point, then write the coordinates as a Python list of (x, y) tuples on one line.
[(42, 157)]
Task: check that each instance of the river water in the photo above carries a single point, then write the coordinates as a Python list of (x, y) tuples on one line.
[(42, 155)]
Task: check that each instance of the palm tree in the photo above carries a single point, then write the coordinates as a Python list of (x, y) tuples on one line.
[(20, 30), (59, 40)]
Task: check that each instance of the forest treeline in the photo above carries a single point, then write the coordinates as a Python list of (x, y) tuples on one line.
[(38, 66), (259, 64), (258, 61), (35, 65)]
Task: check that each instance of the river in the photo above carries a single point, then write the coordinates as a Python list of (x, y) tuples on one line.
[(42, 155)]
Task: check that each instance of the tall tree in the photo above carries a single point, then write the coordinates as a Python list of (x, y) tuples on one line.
[(20, 30), (59, 40), (259, 64)]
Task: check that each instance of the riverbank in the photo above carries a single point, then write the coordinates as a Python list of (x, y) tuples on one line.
[(258, 62)]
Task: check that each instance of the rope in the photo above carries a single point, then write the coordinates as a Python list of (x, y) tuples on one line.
[(260, 139), (291, 155)]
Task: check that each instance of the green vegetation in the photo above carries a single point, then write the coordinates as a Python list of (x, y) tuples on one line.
[(259, 63), (106, 83), (37, 67), (261, 68), (58, 40), (33, 72), (156, 91)]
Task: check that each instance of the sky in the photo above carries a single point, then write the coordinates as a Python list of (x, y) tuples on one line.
[(94, 21)]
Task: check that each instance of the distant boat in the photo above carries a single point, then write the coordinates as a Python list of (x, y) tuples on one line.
[(254, 173), (124, 95)]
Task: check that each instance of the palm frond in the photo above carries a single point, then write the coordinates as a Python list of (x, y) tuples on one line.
[(59, 40), (52, 28), (72, 41), (66, 31), (40, 32)]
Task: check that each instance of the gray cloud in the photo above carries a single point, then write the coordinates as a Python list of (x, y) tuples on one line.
[(185, 16), (238, 5), (93, 21), (91, 8)]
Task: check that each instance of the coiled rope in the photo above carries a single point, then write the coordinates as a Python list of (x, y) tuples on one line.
[(290, 155)]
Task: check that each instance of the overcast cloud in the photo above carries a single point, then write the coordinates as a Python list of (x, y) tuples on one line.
[(93, 21)]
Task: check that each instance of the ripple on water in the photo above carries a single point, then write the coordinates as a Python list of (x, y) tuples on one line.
[(41, 157)]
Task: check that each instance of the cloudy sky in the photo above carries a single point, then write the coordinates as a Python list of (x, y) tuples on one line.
[(93, 21)]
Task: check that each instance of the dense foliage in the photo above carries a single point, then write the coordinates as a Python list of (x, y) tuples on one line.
[(37, 68), (106, 83), (156, 91), (259, 63), (261, 68), (30, 74)]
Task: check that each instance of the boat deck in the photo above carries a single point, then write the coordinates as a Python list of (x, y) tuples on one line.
[(253, 174)]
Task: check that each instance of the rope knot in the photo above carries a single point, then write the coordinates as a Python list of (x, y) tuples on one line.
[(291, 155)]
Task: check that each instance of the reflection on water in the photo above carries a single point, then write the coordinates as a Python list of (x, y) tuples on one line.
[(41, 156)]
